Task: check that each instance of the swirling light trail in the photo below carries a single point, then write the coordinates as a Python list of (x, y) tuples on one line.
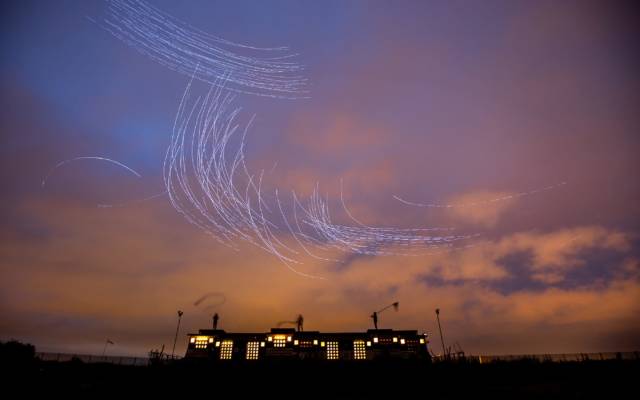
[(183, 48), (209, 183)]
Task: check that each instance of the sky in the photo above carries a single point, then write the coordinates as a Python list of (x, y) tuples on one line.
[(448, 102)]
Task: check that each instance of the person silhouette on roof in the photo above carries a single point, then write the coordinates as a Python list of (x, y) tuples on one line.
[(375, 319), (215, 320)]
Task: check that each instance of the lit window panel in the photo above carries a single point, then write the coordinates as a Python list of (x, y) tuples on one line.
[(359, 350), (279, 341), (332, 351), (201, 342), (253, 349), (226, 349)]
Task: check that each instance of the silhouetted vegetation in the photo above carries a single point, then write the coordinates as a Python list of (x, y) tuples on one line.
[(15, 353)]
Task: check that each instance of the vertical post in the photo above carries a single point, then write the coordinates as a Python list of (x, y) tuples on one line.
[(444, 351), (104, 350), (177, 330)]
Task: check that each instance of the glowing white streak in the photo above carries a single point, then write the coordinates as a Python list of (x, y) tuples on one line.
[(202, 183), (61, 163), (182, 48), (295, 236), (480, 203), (136, 201)]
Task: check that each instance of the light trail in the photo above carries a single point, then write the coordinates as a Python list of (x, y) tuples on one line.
[(183, 48), (204, 171), (208, 182), (483, 202), (109, 160), (135, 201)]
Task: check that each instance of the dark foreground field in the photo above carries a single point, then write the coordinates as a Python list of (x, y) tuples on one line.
[(513, 380)]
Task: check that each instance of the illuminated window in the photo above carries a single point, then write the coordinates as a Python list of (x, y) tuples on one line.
[(295, 342), (261, 344), (226, 349), (315, 342), (421, 341), (332, 351), (359, 351), (201, 342), (395, 340), (192, 340), (270, 339), (368, 343), (402, 341), (253, 349), (279, 341), (375, 340), (288, 338)]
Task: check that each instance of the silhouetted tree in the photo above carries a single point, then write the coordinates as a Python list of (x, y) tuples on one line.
[(16, 353)]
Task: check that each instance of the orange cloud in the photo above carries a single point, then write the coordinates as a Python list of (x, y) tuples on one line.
[(556, 253), (482, 208), (123, 273), (339, 135)]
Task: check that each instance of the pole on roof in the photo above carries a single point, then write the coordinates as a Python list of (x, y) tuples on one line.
[(444, 352), (177, 330), (374, 316)]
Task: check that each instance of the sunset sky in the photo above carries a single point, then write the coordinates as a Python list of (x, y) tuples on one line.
[(448, 102)]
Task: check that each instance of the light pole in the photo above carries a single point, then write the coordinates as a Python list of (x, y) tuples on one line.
[(374, 316), (104, 350), (444, 352), (177, 330)]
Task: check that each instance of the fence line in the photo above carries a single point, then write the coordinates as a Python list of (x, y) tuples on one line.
[(91, 358), (561, 357), (482, 359)]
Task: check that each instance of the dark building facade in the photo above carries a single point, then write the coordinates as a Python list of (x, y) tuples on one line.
[(287, 343)]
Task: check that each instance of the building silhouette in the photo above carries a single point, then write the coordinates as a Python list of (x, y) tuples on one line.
[(289, 344)]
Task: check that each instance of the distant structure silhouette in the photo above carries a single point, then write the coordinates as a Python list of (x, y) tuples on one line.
[(444, 351), (104, 350), (177, 330), (218, 346), (215, 320), (374, 316), (298, 323)]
